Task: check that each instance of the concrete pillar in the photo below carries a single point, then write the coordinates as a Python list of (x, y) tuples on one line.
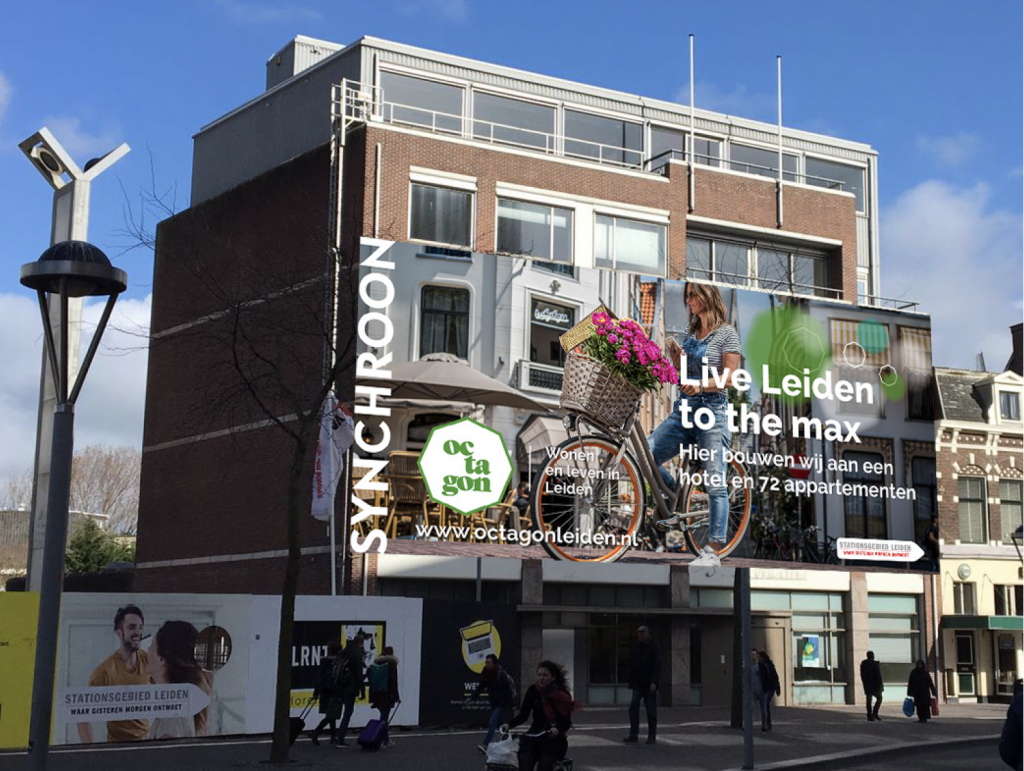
[(677, 663), (531, 632), (857, 637)]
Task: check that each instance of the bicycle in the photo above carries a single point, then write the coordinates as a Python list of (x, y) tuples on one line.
[(589, 497), (810, 547)]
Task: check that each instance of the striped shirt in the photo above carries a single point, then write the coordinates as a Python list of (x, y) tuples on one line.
[(721, 341)]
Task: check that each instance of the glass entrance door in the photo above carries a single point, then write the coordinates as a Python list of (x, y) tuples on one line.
[(1006, 665), (966, 668)]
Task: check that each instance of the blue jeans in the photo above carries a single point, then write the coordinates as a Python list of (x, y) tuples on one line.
[(650, 701), (492, 727), (667, 438)]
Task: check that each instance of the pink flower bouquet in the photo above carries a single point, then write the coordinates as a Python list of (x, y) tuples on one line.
[(623, 347)]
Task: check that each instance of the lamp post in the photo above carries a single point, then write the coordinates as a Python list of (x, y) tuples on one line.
[(67, 270)]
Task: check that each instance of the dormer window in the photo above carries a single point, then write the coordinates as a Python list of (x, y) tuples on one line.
[(1009, 405)]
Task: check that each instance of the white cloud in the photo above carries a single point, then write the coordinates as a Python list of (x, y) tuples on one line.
[(947, 248), (450, 10), (735, 101), (81, 144), (5, 95), (110, 408), (265, 13), (950, 150)]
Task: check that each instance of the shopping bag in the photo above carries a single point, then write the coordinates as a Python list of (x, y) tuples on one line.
[(935, 706), (908, 707), (502, 753)]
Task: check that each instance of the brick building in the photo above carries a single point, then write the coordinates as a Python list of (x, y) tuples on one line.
[(980, 467), (458, 159)]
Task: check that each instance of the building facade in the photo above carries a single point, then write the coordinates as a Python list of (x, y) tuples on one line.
[(978, 484)]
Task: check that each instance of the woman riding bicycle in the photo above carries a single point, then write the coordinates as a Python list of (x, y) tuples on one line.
[(707, 336), (549, 706)]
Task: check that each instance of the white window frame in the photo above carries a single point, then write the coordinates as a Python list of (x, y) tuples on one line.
[(444, 184), (984, 509), (620, 214), (551, 230), (409, 72), (1007, 392), (961, 589), (753, 277), (418, 314)]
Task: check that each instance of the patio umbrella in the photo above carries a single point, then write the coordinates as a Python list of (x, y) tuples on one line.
[(442, 376)]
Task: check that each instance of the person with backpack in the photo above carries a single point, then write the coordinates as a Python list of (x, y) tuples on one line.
[(765, 685), (501, 693), (349, 676), (383, 679), (324, 691)]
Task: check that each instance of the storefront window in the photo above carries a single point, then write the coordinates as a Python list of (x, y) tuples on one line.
[(894, 635), (548, 322)]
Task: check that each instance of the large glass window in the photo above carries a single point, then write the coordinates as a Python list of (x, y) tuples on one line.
[(1007, 598), (1009, 507), (606, 139), (776, 270), (916, 348), (535, 230), (444, 321), (421, 102), (548, 322), (973, 527), (822, 173), (922, 474), (865, 514), (894, 634), (441, 215), (500, 119), (1009, 405), (667, 145), (624, 244), (761, 161)]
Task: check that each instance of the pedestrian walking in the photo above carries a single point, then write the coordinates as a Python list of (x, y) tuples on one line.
[(921, 688), (764, 685), (383, 679), (931, 543), (501, 694), (871, 680), (325, 692), (549, 706), (644, 673), (349, 681)]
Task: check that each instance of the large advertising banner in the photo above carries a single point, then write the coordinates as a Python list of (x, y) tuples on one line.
[(19, 612), (457, 639), (310, 642), (146, 666), (596, 414)]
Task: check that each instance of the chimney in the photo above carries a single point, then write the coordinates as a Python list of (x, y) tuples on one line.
[(1015, 364)]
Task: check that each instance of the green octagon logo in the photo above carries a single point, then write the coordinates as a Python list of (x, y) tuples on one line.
[(466, 466)]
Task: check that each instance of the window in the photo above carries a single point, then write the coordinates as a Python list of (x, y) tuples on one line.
[(865, 514), (1008, 600), (822, 173), (623, 244), (761, 161), (916, 349), (421, 102), (971, 491), (862, 291), (1009, 507), (894, 634), (548, 322), (606, 139), (777, 270), (1009, 405), (667, 145), (963, 598), (441, 215), (513, 121), (535, 230), (922, 476), (554, 267), (444, 321)]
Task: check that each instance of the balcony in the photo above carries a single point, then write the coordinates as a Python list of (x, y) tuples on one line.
[(541, 379)]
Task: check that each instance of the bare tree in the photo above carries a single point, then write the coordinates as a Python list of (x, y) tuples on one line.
[(105, 480), (16, 493)]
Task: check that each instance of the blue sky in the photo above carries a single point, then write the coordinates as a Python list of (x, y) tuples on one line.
[(936, 88)]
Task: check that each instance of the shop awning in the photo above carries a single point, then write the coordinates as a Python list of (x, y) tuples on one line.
[(539, 433), (1002, 623)]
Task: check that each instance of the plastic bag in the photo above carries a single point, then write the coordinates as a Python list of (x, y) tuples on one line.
[(502, 753), (908, 707)]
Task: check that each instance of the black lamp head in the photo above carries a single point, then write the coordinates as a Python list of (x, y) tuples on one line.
[(86, 268)]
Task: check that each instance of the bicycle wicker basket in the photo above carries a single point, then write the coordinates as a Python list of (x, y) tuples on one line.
[(590, 387)]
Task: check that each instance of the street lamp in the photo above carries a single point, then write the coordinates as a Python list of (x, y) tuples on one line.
[(69, 269)]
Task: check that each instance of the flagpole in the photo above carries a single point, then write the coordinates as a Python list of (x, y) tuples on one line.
[(778, 75), (693, 147), (334, 556)]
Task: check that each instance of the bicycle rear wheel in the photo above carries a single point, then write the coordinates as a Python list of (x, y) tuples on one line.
[(588, 506), (696, 527)]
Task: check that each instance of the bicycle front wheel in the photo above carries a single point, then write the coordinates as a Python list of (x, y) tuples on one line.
[(698, 503), (587, 505)]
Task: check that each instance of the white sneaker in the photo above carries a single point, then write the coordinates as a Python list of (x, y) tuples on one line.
[(707, 558)]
